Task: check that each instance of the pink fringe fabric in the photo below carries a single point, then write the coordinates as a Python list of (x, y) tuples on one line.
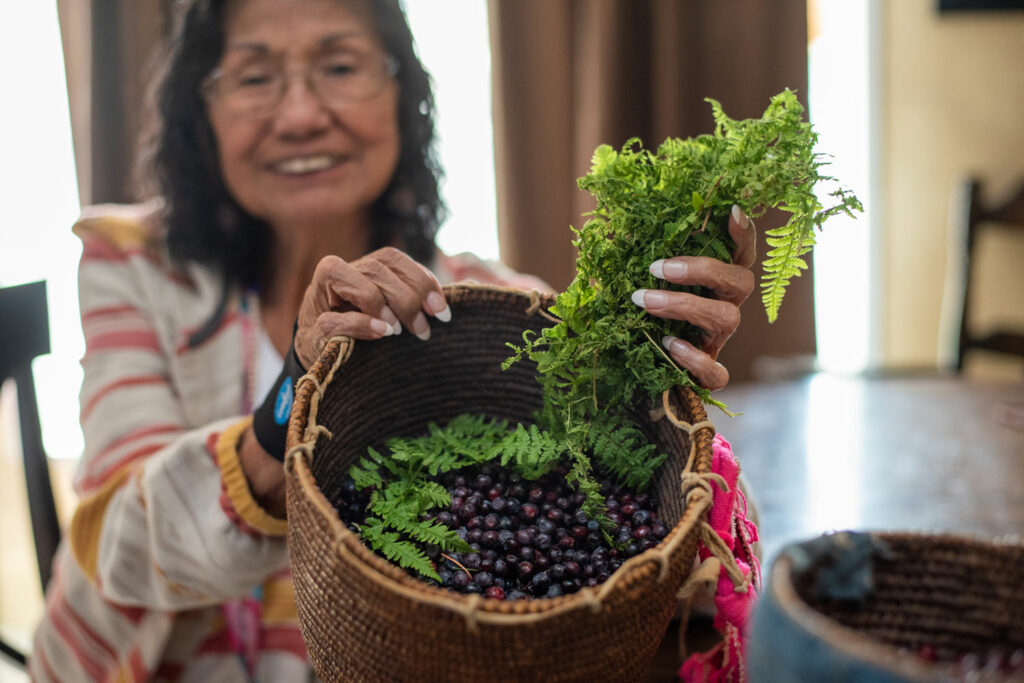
[(728, 517)]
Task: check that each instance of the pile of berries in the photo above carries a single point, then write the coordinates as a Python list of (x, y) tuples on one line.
[(529, 539)]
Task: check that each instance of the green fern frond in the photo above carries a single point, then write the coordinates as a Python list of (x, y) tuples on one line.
[(433, 533), (529, 451), (365, 475), (623, 450), (403, 553), (581, 478), (394, 501), (430, 494), (784, 261)]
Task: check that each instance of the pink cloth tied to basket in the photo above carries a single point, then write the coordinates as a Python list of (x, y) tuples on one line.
[(728, 518)]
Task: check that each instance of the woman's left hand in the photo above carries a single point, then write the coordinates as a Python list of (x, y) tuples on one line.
[(718, 316)]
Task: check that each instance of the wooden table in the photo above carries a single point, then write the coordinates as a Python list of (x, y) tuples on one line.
[(920, 453), (914, 453)]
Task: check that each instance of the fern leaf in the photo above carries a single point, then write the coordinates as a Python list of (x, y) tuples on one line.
[(622, 450), (529, 451), (783, 262), (430, 494), (390, 545), (366, 473), (434, 533), (408, 556), (365, 477)]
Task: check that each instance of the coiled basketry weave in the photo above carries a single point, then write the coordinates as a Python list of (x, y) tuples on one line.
[(364, 619), (916, 607)]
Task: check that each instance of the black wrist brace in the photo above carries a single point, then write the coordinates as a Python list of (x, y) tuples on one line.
[(270, 420)]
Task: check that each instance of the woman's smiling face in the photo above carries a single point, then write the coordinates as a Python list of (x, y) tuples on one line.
[(306, 159)]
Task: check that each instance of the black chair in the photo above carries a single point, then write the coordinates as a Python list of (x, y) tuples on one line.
[(976, 216), (25, 335)]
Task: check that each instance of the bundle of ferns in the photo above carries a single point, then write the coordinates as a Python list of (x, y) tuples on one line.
[(676, 201), (605, 354)]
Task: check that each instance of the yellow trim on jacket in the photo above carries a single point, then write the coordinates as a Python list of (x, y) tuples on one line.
[(122, 226), (238, 487), (87, 523)]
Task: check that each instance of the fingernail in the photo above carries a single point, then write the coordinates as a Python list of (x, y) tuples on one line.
[(656, 299), (675, 270), (740, 217), (671, 270), (649, 298), (420, 327), (388, 316), (658, 269), (438, 307), (380, 327), (676, 345)]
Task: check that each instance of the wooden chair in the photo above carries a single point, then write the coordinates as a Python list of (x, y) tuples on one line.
[(25, 335), (976, 215)]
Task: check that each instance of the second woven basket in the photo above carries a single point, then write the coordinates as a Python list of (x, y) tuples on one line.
[(364, 619)]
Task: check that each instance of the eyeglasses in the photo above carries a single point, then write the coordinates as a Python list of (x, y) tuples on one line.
[(255, 89)]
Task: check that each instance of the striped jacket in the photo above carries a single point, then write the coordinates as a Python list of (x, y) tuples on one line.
[(166, 530)]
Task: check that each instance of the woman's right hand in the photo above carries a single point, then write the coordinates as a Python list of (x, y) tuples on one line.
[(372, 297)]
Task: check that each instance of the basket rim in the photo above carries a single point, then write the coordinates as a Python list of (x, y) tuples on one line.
[(852, 642), (303, 432)]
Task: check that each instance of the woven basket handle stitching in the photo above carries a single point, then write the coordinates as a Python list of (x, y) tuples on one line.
[(699, 485), (313, 429), (535, 308)]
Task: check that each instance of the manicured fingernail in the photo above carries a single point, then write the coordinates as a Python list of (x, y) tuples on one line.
[(420, 327), (740, 217), (658, 269), (675, 270), (671, 270), (676, 345), (649, 298), (380, 327), (388, 316), (438, 307)]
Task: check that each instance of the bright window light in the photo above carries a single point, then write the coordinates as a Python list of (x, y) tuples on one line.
[(40, 198), (834, 447), (841, 99), (452, 42)]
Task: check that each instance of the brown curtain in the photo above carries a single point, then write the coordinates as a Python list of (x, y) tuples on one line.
[(571, 74), (109, 46), (568, 75)]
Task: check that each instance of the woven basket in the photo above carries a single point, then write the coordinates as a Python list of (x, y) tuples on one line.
[(924, 608), (364, 619)]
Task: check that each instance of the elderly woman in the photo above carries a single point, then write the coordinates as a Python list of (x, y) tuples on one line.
[(297, 200)]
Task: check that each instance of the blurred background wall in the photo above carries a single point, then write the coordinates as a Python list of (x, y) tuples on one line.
[(952, 105)]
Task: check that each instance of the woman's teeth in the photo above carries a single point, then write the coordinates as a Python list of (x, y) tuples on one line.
[(305, 164)]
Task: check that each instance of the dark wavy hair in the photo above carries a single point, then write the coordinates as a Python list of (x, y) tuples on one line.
[(179, 155)]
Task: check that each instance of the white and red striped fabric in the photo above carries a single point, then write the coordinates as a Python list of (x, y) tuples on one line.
[(166, 531)]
